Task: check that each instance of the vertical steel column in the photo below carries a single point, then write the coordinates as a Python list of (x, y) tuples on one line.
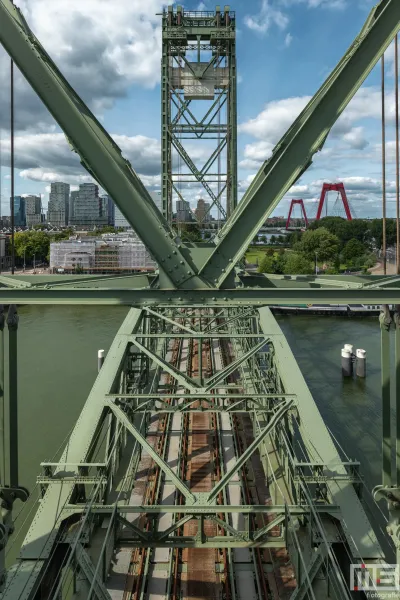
[(385, 322), (383, 165), (165, 120), (396, 70), (397, 390), (232, 132), (2, 402), (12, 165), (12, 322)]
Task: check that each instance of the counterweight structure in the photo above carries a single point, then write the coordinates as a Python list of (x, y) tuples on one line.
[(182, 476), (198, 103)]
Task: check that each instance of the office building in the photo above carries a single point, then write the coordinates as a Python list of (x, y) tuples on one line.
[(33, 210), (58, 209), (107, 209), (71, 213), (19, 211), (183, 212), (202, 211), (88, 207)]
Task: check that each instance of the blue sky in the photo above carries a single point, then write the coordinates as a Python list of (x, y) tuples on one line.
[(110, 53)]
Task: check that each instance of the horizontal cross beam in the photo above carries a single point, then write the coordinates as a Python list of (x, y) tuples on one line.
[(257, 297)]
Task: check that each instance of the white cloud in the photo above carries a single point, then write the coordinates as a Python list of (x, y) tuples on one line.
[(334, 4), (267, 17), (275, 119), (48, 157), (288, 40), (271, 124), (101, 47)]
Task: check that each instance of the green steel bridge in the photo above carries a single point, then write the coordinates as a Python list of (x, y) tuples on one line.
[(198, 354)]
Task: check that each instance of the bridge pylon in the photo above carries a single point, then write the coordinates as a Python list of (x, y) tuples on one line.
[(336, 187), (294, 203)]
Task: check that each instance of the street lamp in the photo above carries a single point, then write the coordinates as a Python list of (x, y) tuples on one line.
[(24, 259), (316, 265), (34, 256)]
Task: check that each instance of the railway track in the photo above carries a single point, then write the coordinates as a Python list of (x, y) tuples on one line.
[(200, 448)]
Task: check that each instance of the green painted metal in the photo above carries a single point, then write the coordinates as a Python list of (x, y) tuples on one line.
[(386, 322), (2, 402), (280, 412), (300, 292), (12, 323), (319, 445), (293, 154), (98, 152), (397, 390), (185, 33), (121, 416)]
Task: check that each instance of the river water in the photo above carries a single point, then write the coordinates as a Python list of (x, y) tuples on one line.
[(58, 364)]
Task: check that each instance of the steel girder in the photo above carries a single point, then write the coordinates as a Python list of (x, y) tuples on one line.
[(294, 152), (81, 483), (270, 291), (212, 265), (180, 121), (99, 154)]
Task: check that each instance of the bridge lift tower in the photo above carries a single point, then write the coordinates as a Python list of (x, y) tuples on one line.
[(198, 103), (198, 294)]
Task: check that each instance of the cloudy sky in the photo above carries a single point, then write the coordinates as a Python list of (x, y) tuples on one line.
[(110, 53)]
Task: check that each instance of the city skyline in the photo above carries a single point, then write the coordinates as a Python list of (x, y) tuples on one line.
[(294, 32)]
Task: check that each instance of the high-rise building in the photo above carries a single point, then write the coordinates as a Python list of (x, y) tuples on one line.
[(88, 207), (183, 212), (119, 219), (58, 209), (19, 211), (72, 198), (33, 210), (107, 209), (202, 211)]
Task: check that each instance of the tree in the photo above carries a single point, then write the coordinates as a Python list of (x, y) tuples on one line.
[(272, 239), (353, 250), (319, 241), (267, 264), (32, 243), (190, 232), (297, 264), (270, 252)]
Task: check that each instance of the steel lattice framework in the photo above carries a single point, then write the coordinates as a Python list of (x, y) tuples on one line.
[(199, 298), (199, 67)]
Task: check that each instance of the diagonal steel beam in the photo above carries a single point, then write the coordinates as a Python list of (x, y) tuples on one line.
[(261, 532), (164, 534), (294, 153), (168, 320), (246, 455), (122, 418), (234, 365), (183, 379), (98, 152), (236, 534), (141, 534), (85, 562)]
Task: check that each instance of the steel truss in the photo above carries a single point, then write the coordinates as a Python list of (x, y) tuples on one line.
[(89, 482), (189, 68)]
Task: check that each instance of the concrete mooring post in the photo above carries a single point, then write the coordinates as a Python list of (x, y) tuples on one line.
[(361, 364), (347, 360), (100, 359)]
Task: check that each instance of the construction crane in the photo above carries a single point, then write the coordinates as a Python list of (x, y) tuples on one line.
[(199, 354)]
